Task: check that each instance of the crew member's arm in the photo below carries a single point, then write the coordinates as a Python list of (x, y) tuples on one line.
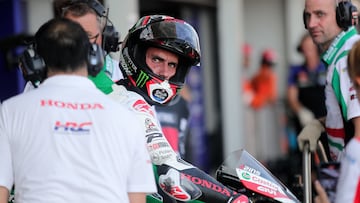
[(4, 194), (304, 115), (6, 178), (292, 98), (356, 122), (135, 197), (322, 196)]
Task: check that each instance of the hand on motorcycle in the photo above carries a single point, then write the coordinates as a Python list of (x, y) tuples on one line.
[(322, 196), (311, 133)]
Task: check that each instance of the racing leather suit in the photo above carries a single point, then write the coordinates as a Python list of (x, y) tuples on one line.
[(175, 178)]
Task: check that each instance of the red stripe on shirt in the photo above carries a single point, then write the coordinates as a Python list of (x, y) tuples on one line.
[(336, 132)]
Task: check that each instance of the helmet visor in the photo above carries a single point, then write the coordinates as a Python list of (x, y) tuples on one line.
[(174, 35)]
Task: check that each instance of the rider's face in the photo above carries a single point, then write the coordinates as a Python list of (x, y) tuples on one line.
[(161, 62)]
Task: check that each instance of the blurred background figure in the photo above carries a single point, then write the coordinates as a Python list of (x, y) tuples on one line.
[(245, 73), (305, 99), (265, 132), (264, 83), (357, 4), (305, 91), (306, 83)]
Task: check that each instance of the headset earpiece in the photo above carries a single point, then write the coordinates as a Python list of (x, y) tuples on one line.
[(97, 7), (304, 20), (344, 14), (111, 39), (95, 59), (32, 66)]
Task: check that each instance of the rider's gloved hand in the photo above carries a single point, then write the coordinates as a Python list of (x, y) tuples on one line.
[(311, 133)]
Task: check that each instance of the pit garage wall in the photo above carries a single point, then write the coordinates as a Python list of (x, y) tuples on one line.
[(11, 15)]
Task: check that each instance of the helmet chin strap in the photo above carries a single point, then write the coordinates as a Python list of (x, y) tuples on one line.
[(161, 92)]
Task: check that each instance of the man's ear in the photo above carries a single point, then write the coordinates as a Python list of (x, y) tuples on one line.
[(357, 82)]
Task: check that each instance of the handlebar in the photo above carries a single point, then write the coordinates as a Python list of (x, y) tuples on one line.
[(307, 173)]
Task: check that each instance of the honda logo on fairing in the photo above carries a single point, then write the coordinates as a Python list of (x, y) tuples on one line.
[(207, 184)]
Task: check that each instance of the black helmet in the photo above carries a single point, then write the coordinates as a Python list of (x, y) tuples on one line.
[(163, 32)]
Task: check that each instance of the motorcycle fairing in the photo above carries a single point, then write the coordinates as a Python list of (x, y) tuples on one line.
[(241, 169)]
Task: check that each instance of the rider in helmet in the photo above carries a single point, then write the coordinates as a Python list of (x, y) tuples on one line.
[(166, 33), (155, 58)]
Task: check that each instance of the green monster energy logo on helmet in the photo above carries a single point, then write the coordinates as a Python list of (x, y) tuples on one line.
[(141, 80)]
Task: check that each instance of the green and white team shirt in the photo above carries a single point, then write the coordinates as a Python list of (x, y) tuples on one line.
[(341, 101)]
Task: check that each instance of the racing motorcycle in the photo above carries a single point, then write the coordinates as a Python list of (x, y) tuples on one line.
[(244, 174)]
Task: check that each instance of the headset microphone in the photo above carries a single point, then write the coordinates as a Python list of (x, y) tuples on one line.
[(111, 37)]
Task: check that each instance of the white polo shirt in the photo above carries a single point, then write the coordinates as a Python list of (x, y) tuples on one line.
[(68, 142)]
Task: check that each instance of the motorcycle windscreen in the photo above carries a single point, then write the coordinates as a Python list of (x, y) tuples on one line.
[(255, 177)]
